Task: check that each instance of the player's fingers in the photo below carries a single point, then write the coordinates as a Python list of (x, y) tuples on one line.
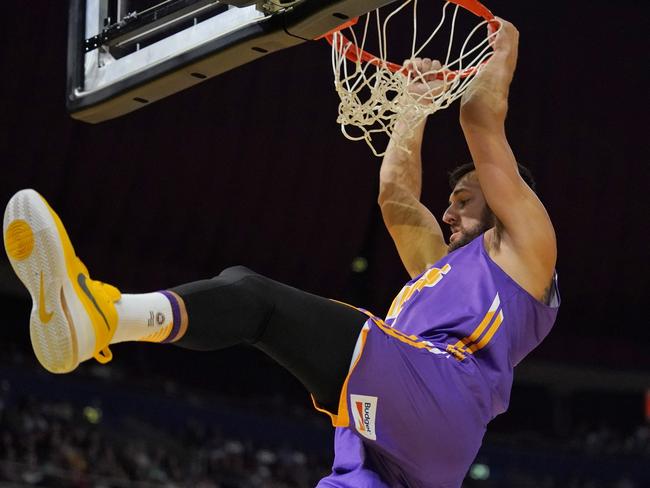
[(494, 32), (419, 64), (507, 26), (426, 65), (413, 64), (493, 26), (432, 69), (436, 66), (506, 33)]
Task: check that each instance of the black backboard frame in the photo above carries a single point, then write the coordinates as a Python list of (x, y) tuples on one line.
[(304, 21)]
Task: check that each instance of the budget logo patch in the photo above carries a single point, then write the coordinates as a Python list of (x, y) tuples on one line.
[(364, 412)]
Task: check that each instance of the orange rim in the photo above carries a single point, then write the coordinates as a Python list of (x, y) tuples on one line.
[(355, 54)]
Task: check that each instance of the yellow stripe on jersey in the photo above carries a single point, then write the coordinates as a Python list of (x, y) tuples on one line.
[(465, 344), (455, 352), (486, 338), (400, 336)]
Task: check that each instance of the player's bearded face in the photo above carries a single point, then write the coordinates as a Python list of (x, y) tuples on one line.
[(468, 214), (468, 234)]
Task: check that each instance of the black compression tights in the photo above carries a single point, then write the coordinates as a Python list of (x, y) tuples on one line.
[(311, 336)]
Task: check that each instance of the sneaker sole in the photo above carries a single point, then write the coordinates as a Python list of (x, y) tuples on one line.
[(35, 249)]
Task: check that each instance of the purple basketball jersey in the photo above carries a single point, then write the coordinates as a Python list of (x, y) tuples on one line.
[(425, 382)]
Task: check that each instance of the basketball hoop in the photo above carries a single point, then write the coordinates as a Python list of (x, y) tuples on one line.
[(374, 91)]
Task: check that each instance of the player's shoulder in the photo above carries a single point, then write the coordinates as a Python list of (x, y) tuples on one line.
[(531, 270)]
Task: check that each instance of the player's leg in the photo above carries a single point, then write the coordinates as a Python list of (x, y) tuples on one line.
[(75, 318), (311, 336)]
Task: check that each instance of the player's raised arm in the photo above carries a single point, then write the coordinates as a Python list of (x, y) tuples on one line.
[(524, 239), (415, 231)]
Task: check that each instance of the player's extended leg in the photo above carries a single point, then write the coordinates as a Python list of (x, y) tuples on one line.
[(75, 318), (311, 336)]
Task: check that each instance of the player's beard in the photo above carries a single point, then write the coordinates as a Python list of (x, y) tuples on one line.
[(488, 220)]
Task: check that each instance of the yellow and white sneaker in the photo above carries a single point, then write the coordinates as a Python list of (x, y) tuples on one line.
[(73, 318)]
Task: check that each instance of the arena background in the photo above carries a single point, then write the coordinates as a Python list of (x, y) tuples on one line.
[(250, 168)]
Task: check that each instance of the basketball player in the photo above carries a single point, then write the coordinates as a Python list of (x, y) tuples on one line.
[(410, 395)]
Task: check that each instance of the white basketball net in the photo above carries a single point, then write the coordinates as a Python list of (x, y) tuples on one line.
[(373, 97)]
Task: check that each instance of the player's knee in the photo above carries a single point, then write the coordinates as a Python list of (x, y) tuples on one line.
[(236, 273), (243, 290), (248, 281)]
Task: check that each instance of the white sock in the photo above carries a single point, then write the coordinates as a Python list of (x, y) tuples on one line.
[(143, 317)]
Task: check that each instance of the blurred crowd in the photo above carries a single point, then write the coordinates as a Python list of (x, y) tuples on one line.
[(58, 445), (65, 444), (609, 441), (590, 457)]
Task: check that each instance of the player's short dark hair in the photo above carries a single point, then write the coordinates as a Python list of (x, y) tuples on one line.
[(457, 174)]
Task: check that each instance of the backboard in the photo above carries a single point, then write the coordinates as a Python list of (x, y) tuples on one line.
[(126, 54)]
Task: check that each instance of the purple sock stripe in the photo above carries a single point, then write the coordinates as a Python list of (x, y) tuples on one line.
[(176, 316)]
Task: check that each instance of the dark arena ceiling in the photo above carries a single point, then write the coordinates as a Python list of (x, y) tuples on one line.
[(251, 168)]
